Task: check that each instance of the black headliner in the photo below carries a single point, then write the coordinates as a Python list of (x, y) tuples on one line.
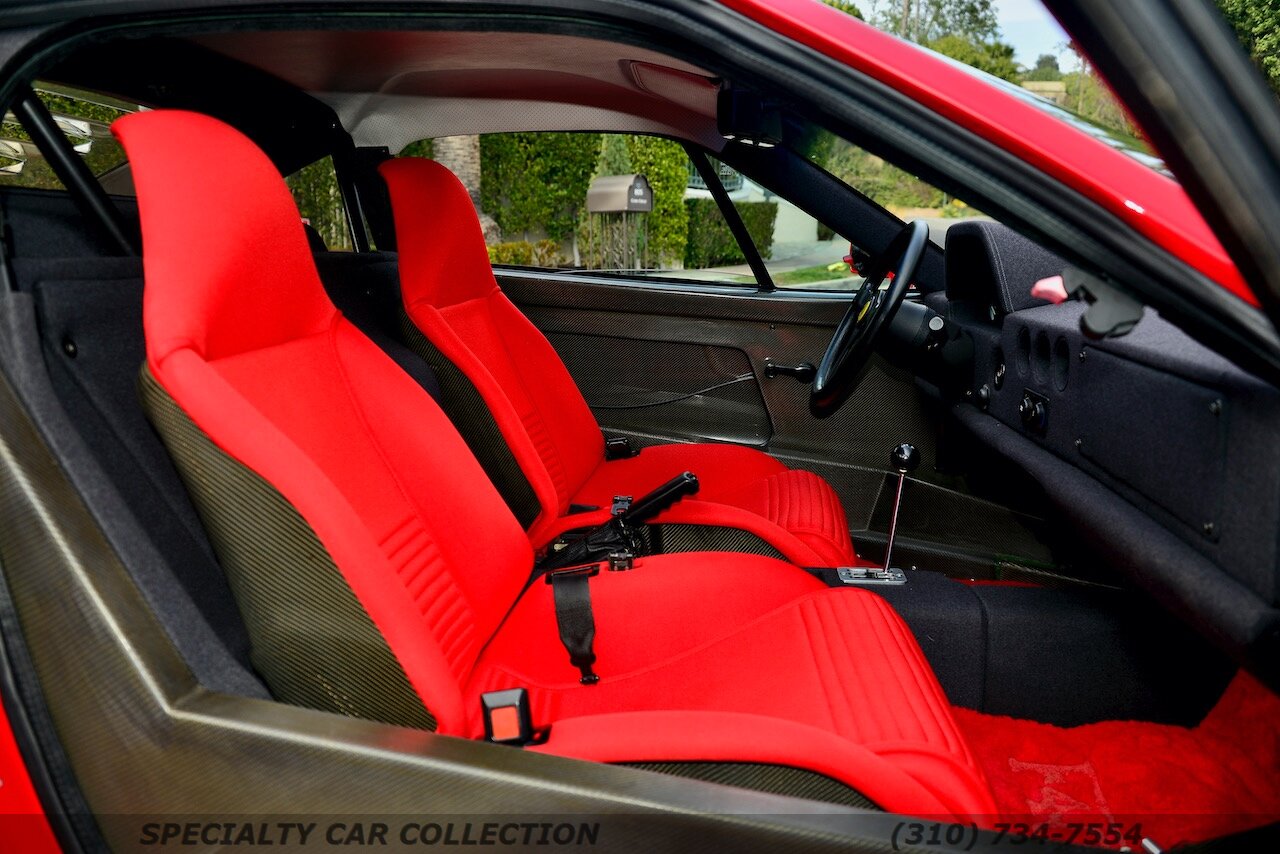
[(292, 127)]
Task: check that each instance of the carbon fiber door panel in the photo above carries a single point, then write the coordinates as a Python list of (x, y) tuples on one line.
[(627, 343), (708, 392), (662, 362)]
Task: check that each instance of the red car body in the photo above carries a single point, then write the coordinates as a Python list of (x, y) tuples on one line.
[(1153, 204)]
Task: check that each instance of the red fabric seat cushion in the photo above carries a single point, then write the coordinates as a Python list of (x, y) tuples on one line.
[(673, 636), (805, 506)]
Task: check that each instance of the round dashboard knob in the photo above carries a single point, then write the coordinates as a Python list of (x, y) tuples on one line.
[(1033, 414)]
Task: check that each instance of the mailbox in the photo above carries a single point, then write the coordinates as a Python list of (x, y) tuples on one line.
[(620, 194)]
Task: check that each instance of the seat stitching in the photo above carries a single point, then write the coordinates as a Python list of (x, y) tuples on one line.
[(927, 690), (831, 647), (928, 687), (822, 683), (396, 530), (884, 650), (444, 571)]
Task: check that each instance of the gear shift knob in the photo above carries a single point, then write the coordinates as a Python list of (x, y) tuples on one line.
[(904, 458)]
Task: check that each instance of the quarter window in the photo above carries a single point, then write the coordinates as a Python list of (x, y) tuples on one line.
[(85, 118)]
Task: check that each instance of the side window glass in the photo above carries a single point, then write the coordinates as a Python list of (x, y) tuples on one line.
[(608, 204), (315, 190), (898, 191), (85, 118)]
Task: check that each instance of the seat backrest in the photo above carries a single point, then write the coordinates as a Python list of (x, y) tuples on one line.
[(365, 287), (452, 297), (370, 555)]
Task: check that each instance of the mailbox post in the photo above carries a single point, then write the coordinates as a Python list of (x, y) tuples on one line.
[(617, 232)]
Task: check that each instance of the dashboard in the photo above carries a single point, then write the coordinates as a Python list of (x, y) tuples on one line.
[(1160, 452)]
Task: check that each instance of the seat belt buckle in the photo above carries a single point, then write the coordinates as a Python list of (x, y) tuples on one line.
[(508, 719), (586, 570), (618, 448), (621, 504)]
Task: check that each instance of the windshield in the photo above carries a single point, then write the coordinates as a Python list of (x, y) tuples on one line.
[(1122, 142)]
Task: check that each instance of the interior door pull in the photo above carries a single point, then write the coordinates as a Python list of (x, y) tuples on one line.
[(803, 372)]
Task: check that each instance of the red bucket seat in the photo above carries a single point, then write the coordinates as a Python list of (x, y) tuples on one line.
[(459, 314), (381, 575)]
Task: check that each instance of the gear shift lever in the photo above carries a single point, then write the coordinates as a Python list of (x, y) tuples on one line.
[(904, 458)]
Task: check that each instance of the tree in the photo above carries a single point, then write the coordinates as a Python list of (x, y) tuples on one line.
[(461, 156), (846, 7), (1046, 68), (1257, 25), (535, 184), (1090, 97), (965, 30), (993, 57), (924, 21), (315, 191), (615, 157)]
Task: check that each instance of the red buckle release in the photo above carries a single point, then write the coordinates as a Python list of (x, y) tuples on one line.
[(507, 719)]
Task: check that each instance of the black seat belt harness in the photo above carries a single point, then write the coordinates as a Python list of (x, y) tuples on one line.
[(571, 589)]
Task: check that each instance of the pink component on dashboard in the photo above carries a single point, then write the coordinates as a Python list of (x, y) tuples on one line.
[(1052, 289)]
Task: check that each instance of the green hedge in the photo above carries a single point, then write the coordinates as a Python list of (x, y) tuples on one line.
[(422, 148), (533, 182), (711, 243), (522, 253), (665, 164)]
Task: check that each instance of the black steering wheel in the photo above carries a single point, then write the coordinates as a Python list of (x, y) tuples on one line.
[(870, 313)]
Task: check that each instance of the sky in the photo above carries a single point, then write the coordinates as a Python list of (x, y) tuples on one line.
[(1032, 31)]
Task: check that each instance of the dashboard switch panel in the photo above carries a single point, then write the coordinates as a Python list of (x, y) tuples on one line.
[(1034, 412)]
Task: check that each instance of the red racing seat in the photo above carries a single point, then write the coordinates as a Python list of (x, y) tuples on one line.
[(459, 319), (381, 575)]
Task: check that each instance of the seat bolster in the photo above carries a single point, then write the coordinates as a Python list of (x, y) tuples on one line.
[(698, 736), (804, 504), (441, 333), (720, 633), (242, 432), (573, 439), (795, 511)]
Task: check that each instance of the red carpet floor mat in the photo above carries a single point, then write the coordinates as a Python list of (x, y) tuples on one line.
[(1174, 784)]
